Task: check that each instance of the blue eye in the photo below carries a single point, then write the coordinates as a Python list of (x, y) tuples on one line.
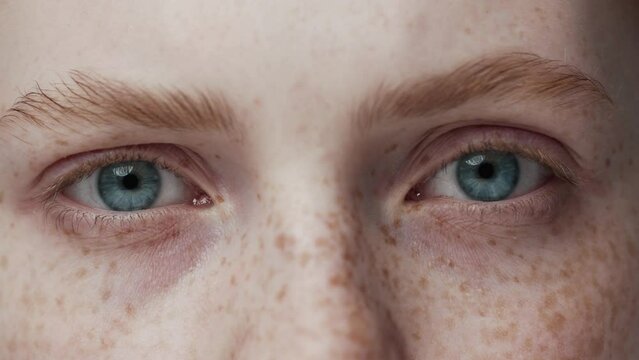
[(488, 176), (484, 176), (129, 186)]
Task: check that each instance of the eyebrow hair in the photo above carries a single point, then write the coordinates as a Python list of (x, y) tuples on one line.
[(99, 101), (514, 76)]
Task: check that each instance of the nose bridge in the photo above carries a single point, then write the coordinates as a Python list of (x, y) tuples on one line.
[(321, 307)]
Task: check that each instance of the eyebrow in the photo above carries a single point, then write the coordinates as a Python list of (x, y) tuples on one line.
[(512, 76), (99, 101)]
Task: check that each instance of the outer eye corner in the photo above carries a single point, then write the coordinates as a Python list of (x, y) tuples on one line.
[(415, 194)]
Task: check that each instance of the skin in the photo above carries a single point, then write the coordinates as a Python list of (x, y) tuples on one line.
[(308, 256)]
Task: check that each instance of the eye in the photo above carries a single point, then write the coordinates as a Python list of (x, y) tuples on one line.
[(129, 186), (483, 176)]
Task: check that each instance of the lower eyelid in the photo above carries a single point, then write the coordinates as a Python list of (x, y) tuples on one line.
[(538, 207), (104, 231)]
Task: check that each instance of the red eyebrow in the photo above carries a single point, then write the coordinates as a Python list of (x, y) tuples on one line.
[(516, 76), (99, 101)]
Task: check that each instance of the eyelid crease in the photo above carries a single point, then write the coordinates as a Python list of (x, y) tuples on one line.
[(418, 156)]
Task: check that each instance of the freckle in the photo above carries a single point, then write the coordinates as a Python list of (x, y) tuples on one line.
[(59, 301), (390, 149), (85, 251), (62, 142), (450, 263), (607, 162), (388, 238), (130, 310), (528, 344), (282, 242), (281, 294), (541, 13), (385, 273), (500, 334), (232, 281), (106, 343), (113, 265), (305, 258), (555, 323), (3, 262), (81, 273), (339, 280), (106, 295), (218, 199), (1, 196), (492, 242), (468, 31), (423, 282), (550, 300)]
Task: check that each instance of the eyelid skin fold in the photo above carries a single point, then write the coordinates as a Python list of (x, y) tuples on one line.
[(421, 164), (65, 172)]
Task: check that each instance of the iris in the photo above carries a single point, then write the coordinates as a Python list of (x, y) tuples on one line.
[(488, 175), (129, 186)]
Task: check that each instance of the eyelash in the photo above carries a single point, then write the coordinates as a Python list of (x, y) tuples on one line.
[(548, 158), (558, 169), (464, 141), (76, 220)]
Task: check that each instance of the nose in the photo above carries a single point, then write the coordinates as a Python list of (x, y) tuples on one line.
[(320, 300)]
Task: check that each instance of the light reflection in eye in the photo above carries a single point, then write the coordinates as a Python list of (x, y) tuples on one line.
[(484, 176), (130, 186)]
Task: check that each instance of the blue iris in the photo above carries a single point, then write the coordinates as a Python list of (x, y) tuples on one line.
[(488, 175), (129, 186)]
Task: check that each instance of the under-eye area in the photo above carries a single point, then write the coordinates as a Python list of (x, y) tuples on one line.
[(493, 193)]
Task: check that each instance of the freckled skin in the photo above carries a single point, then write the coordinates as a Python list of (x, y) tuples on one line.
[(304, 255)]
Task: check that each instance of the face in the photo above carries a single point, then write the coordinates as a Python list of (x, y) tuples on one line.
[(319, 180)]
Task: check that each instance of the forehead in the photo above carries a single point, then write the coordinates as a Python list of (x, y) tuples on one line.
[(298, 54)]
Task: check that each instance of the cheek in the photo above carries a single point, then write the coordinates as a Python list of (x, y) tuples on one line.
[(565, 290)]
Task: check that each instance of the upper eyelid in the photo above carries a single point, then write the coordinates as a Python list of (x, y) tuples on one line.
[(421, 161), (72, 169)]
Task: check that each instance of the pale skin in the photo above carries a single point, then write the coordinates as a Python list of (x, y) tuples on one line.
[(308, 248)]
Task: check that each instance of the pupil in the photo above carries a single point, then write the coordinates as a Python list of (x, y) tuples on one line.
[(130, 182), (486, 171)]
